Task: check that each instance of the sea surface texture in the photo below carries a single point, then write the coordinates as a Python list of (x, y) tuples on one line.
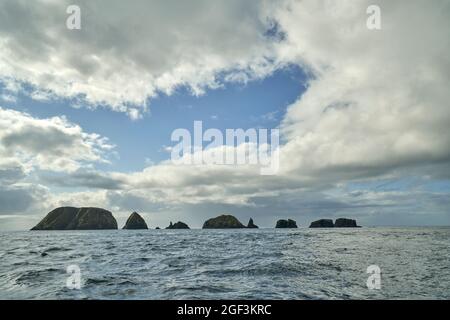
[(227, 264)]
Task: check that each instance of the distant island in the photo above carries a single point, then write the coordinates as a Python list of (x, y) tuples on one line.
[(340, 223), (135, 222), (71, 218), (177, 225), (90, 218)]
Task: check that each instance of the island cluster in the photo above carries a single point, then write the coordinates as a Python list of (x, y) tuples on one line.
[(89, 218)]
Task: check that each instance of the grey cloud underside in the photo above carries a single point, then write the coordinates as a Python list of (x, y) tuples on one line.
[(83, 178), (21, 198)]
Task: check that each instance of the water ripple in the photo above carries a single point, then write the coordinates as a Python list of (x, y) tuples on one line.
[(226, 264)]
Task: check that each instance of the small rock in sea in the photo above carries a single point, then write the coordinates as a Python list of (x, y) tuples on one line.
[(289, 223), (178, 225), (322, 223), (157, 228), (44, 254), (251, 224)]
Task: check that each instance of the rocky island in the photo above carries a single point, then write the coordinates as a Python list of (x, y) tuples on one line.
[(135, 222), (178, 225), (71, 218), (224, 221), (345, 223), (339, 223), (322, 223), (289, 223)]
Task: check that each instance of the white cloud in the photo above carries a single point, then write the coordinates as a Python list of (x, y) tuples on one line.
[(376, 106), (8, 98), (379, 99), (125, 54), (53, 144)]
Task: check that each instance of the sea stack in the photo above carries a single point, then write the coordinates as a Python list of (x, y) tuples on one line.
[(345, 223), (251, 225), (224, 221), (71, 218), (289, 223), (135, 222), (322, 223), (178, 225)]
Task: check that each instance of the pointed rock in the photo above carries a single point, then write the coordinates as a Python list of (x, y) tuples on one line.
[(224, 221), (135, 222), (251, 224)]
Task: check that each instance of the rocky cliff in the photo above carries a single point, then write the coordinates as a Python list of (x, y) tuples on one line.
[(289, 223), (223, 222), (322, 223), (135, 222), (178, 225), (71, 218)]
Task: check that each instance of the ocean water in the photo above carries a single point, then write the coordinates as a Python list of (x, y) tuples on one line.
[(227, 264)]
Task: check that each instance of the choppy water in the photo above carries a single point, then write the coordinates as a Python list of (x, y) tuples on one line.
[(227, 264)]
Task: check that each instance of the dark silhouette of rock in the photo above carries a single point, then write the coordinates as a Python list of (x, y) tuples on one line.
[(178, 225), (286, 223), (322, 223), (157, 228), (224, 221), (345, 223), (135, 222), (71, 218), (251, 224)]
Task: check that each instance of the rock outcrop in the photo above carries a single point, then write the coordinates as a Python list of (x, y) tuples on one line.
[(289, 223), (251, 225), (223, 222), (345, 223), (71, 218), (135, 222), (178, 225), (322, 223)]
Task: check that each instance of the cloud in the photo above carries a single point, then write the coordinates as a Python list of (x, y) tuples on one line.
[(32, 149), (53, 144), (22, 197), (376, 105), (125, 54), (378, 100), (84, 177)]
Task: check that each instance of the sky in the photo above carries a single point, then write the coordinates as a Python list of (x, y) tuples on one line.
[(86, 115)]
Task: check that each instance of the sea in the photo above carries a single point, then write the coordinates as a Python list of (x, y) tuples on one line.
[(360, 263)]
